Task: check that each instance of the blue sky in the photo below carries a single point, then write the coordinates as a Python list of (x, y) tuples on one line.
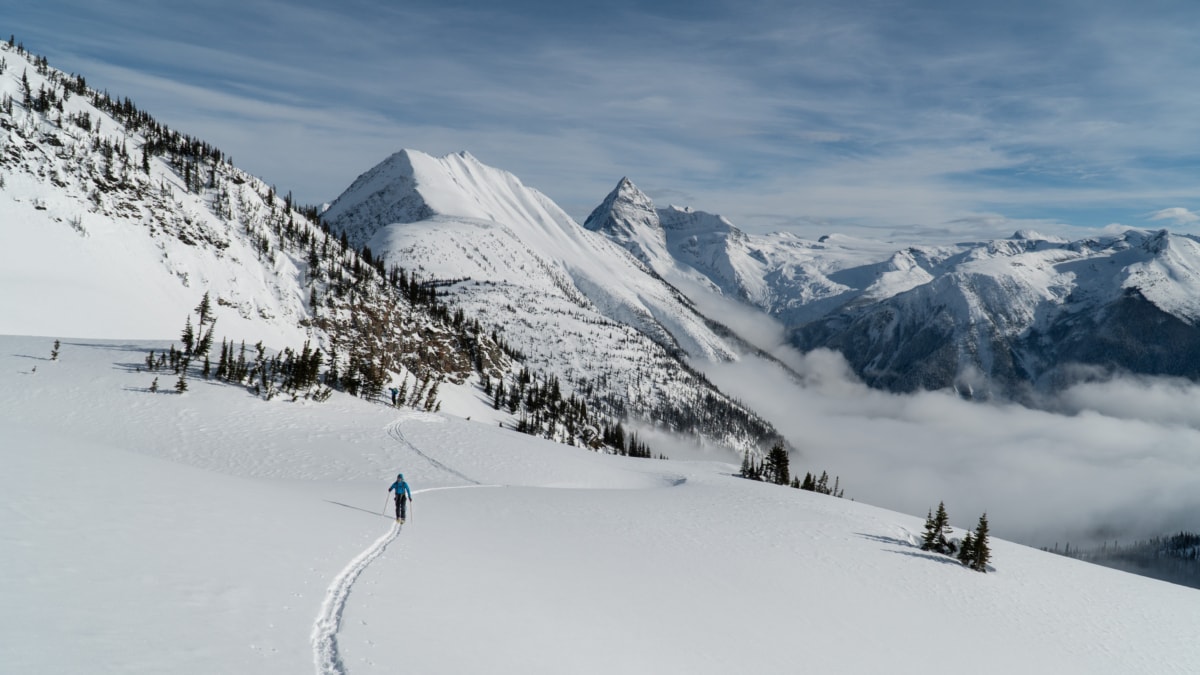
[(900, 119)]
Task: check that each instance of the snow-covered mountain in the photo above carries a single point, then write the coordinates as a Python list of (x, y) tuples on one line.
[(113, 225), (569, 300), (991, 318), (1003, 315)]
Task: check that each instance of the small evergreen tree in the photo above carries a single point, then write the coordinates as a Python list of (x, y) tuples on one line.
[(777, 465), (188, 336), (982, 552), (204, 309), (929, 536), (54, 351), (967, 552), (154, 386), (937, 526)]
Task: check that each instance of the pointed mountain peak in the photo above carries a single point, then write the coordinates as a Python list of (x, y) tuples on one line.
[(412, 186), (627, 216), (624, 210)]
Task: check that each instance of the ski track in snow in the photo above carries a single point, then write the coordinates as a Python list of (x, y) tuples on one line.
[(326, 656), (394, 431), (324, 636)]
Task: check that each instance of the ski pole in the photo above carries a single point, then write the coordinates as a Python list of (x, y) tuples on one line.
[(385, 498)]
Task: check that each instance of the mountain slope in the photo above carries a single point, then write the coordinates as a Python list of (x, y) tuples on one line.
[(113, 225), (541, 558), (109, 236), (567, 299)]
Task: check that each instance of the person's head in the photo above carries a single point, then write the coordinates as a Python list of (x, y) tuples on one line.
[(399, 476)]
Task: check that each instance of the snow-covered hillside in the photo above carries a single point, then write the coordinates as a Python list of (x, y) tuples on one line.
[(572, 302), (217, 532), (113, 225), (105, 233)]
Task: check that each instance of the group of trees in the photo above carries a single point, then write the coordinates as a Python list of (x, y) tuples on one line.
[(1174, 558), (973, 550), (292, 372), (774, 468), (821, 484), (542, 410)]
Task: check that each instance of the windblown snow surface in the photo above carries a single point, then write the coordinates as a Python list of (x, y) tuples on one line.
[(214, 532)]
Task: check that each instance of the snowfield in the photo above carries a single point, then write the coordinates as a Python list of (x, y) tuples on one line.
[(214, 532)]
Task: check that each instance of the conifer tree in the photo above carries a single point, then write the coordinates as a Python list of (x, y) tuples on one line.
[(181, 384), (498, 395), (54, 351), (967, 552), (188, 336), (223, 361), (204, 344), (937, 526), (431, 397), (929, 537), (777, 465), (204, 309), (942, 521), (982, 553)]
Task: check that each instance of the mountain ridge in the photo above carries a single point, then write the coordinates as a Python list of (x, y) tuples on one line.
[(508, 254)]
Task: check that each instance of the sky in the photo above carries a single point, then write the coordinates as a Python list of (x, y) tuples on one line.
[(915, 120)]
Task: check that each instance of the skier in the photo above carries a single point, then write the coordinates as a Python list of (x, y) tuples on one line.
[(403, 494), (395, 394)]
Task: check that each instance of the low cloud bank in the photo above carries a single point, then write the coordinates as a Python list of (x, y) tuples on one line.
[(1115, 460)]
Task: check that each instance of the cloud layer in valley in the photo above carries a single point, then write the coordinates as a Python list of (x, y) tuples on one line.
[(1111, 460)]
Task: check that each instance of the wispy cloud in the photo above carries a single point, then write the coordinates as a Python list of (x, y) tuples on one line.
[(914, 117), (1177, 215)]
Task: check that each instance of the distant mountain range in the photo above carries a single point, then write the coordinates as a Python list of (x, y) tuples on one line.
[(994, 318), (117, 220)]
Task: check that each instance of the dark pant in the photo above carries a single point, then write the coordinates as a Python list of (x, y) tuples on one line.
[(401, 503)]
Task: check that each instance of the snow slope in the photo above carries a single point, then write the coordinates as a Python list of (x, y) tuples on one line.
[(572, 302), (131, 255), (217, 532), (551, 249)]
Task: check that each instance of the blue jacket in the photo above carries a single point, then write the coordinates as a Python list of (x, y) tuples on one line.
[(400, 487)]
